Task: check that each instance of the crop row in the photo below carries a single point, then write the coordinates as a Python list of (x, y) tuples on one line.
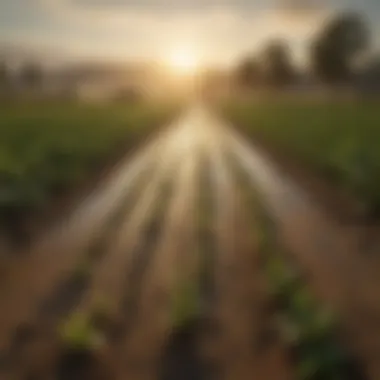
[(101, 329), (46, 149), (309, 330), (80, 333), (339, 140)]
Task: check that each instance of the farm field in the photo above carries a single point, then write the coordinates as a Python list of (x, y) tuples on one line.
[(48, 149), (194, 259), (189, 190), (338, 140)]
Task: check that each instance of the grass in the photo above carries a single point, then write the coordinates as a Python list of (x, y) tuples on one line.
[(46, 148), (338, 139)]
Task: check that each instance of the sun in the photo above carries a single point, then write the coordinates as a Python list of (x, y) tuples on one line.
[(183, 61)]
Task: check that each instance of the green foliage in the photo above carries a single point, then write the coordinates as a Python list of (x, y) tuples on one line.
[(283, 280), (185, 303), (78, 333), (278, 66), (337, 139), (83, 269), (336, 47), (306, 327), (248, 72), (45, 148), (87, 331), (102, 311)]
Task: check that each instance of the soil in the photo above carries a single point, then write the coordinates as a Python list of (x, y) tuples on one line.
[(138, 268), (181, 358), (248, 346)]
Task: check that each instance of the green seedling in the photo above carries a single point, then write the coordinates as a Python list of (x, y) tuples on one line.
[(306, 328), (321, 361), (83, 269), (186, 304), (101, 313), (78, 333)]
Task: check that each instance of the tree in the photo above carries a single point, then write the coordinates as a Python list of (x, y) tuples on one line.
[(369, 78), (336, 47), (278, 68), (4, 76), (248, 73), (31, 75)]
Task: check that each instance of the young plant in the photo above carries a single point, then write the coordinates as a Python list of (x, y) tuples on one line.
[(83, 270), (102, 314), (77, 333), (186, 304), (308, 329)]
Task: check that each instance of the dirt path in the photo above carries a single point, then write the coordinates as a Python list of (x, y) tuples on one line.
[(145, 344), (110, 276)]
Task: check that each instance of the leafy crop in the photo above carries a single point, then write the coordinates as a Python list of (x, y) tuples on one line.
[(79, 333), (185, 304), (47, 148), (305, 325), (337, 139)]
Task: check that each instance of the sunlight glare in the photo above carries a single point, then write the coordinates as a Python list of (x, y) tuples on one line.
[(183, 61)]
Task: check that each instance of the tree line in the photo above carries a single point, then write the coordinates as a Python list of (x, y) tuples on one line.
[(29, 75), (333, 56)]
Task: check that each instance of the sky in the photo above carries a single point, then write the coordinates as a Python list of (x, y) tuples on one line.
[(215, 31)]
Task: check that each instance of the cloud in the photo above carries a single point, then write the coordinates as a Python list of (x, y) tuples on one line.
[(146, 22), (157, 14), (156, 6), (218, 30), (166, 5), (302, 9), (298, 19), (214, 33), (300, 5)]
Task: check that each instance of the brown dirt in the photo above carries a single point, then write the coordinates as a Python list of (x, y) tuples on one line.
[(249, 346)]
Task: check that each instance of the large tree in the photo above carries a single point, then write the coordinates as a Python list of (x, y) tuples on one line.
[(4, 75), (278, 67), (248, 73), (336, 47), (31, 75), (369, 78)]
